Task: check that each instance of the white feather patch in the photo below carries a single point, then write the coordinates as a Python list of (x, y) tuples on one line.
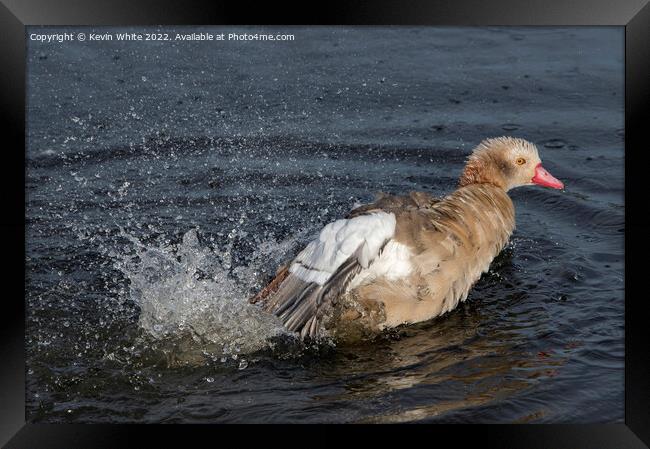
[(394, 263), (309, 275), (338, 241)]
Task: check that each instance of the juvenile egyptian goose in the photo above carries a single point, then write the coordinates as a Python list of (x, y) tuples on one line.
[(405, 259)]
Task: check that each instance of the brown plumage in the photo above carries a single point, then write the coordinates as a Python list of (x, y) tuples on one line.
[(405, 259)]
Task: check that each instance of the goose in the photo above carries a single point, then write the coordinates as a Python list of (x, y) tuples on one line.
[(406, 259)]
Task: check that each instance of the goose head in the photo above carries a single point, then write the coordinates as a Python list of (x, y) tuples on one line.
[(507, 162)]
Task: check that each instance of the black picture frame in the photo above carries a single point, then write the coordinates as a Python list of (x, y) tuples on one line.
[(634, 15)]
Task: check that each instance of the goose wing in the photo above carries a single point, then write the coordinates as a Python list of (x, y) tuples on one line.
[(396, 204), (302, 292)]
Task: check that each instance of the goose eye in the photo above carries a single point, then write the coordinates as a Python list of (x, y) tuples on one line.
[(520, 161)]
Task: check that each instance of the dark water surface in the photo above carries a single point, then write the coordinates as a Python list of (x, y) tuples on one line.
[(167, 180)]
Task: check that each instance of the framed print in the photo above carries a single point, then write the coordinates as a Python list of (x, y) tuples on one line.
[(381, 215)]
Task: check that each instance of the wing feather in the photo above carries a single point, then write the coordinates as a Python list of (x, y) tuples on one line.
[(302, 293)]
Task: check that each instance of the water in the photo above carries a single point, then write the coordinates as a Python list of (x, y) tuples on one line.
[(166, 182)]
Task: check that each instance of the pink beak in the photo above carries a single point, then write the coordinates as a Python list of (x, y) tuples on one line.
[(544, 178)]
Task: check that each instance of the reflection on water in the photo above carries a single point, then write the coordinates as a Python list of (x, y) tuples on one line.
[(456, 360)]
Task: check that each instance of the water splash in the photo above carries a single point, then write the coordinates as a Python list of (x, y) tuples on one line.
[(191, 290)]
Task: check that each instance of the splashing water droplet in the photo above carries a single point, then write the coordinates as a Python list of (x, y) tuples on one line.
[(190, 290)]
